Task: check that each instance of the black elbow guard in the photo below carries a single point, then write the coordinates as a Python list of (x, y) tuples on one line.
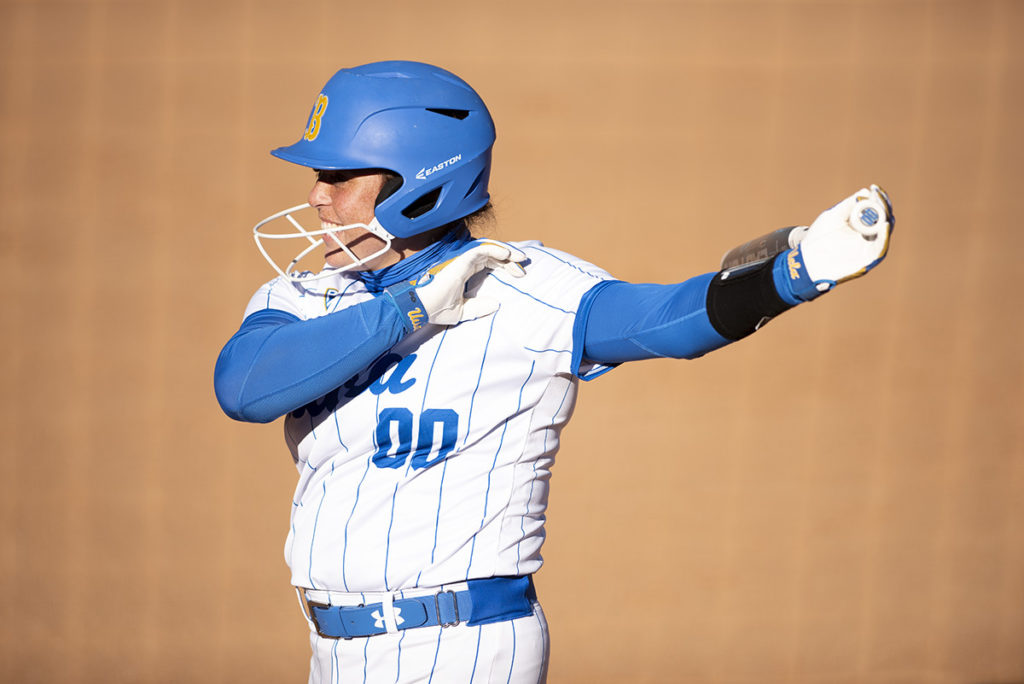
[(740, 301)]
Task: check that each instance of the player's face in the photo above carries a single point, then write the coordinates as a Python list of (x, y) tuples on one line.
[(342, 198)]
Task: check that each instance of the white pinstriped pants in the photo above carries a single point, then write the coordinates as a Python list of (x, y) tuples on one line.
[(510, 652)]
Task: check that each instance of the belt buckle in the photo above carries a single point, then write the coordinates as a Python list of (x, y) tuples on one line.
[(308, 606), (437, 609)]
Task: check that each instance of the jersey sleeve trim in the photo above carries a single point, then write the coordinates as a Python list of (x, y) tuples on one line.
[(579, 332)]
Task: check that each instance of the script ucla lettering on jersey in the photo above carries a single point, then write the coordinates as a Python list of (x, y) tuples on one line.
[(424, 484), (370, 379)]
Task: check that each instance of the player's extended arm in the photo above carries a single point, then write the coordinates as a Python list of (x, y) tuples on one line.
[(620, 321), (277, 363)]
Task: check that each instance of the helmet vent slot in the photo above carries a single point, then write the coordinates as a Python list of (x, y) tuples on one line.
[(424, 204), (476, 182), (459, 114)]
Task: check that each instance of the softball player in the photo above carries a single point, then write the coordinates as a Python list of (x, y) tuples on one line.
[(425, 375)]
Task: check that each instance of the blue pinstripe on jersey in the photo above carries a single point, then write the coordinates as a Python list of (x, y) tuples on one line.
[(542, 351), (512, 665), (332, 305), (501, 441), (444, 465), (557, 411), (476, 656), (337, 427), (398, 659), (437, 649), (387, 546), (291, 537), (430, 373), (312, 537), (426, 384), (547, 252), (533, 480), (336, 299), (366, 643), (480, 374), (335, 665), (527, 294), (312, 431), (344, 550), (437, 518), (369, 462), (312, 426), (270, 289)]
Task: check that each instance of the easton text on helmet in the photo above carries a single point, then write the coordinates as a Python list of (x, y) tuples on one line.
[(424, 172)]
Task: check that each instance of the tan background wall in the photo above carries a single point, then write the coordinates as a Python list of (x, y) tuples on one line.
[(838, 499)]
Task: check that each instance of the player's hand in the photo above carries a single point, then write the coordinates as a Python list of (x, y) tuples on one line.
[(443, 294), (843, 243), (442, 289)]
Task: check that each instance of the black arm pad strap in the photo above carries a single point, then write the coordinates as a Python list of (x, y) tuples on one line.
[(744, 300)]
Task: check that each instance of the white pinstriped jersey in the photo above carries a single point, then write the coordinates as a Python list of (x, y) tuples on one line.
[(432, 465)]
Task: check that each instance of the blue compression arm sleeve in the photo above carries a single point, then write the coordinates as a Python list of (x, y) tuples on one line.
[(619, 321), (633, 321), (277, 363)]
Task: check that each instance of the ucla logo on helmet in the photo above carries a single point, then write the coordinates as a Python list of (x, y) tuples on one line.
[(315, 118)]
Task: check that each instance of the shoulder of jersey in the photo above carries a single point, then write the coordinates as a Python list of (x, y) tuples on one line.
[(546, 259), (551, 277)]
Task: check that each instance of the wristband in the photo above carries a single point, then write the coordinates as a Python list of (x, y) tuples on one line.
[(404, 297), (792, 281)]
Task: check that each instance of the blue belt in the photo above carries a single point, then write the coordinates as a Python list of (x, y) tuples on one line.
[(494, 599)]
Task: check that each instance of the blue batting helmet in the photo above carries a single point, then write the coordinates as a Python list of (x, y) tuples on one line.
[(418, 121)]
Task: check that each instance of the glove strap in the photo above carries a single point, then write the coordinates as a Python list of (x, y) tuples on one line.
[(792, 281), (403, 296)]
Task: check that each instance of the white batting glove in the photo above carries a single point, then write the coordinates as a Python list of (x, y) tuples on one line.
[(439, 295), (843, 243)]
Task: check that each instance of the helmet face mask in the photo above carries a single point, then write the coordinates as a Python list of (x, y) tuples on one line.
[(315, 238), (419, 122)]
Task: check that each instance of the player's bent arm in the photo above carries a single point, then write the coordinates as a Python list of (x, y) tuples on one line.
[(277, 363)]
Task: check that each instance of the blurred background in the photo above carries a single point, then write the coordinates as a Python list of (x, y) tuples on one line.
[(837, 499)]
